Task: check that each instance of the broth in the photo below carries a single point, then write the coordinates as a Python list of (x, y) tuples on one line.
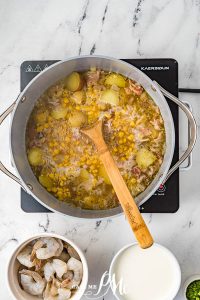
[(66, 163)]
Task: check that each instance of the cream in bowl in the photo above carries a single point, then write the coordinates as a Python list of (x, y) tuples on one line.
[(140, 274), (46, 267)]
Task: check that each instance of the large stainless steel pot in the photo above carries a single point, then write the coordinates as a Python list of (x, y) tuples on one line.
[(23, 106)]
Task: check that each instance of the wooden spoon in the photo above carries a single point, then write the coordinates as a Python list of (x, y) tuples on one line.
[(128, 204)]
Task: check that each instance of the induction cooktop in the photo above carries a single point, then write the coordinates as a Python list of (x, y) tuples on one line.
[(165, 72)]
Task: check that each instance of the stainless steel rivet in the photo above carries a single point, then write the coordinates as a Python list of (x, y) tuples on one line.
[(29, 186), (153, 88), (23, 99)]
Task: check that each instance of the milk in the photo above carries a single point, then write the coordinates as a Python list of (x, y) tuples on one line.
[(147, 274)]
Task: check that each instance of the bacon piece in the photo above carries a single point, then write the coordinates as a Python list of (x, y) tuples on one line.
[(100, 87), (133, 87), (92, 77), (136, 171), (145, 131)]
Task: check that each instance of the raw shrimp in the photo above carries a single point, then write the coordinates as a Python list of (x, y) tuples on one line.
[(69, 275), (38, 264), (76, 267), (52, 248), (64, 256), (55, 285), (49, 293), (61, 293), (67, 278), (60, 249), (24, 257), (32, 282), (57, 267), (72, 252), (36, 246)]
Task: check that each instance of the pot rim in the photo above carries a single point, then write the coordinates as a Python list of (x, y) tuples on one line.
[(99, 214)]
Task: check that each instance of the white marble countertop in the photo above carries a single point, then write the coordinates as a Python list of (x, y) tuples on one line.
[(50, 29)]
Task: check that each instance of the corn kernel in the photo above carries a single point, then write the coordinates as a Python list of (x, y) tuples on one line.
[(130, 137), (121, 134), (65, 100)]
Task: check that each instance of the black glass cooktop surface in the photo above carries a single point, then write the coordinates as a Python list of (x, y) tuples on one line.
[(165, 72)]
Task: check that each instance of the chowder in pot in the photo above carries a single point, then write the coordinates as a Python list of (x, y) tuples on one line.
[(65, 161), (24, 106)]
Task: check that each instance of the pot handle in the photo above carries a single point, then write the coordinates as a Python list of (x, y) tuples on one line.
[(192, 128), (189, 164), (3, 116)]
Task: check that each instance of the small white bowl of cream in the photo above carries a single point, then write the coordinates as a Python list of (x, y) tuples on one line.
[(141, 274)]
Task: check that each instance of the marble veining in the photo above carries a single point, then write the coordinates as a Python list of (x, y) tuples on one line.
[(51, 29)]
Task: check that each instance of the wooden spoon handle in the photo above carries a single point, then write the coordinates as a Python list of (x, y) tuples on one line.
[(128, 204)]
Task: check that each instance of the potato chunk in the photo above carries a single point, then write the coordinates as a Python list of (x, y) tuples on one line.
[(59, 112), (102, 173), (84, 175), (115, 79), (78, 97), (45, 181), (77, 119), (145, 158), (110, 96), (35, 157), (74, 82)]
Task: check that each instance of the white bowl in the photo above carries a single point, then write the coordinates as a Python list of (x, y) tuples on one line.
[(13, 265), (169, 253), (187, 282)]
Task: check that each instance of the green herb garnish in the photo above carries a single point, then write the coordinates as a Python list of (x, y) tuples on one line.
[(193, 290)]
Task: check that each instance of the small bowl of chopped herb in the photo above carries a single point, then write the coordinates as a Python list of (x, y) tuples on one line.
[(192, 288)]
